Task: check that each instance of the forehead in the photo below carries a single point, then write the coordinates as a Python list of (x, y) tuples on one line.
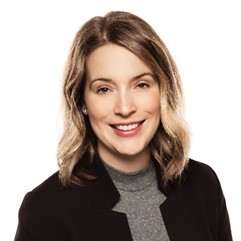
[(113, 61)]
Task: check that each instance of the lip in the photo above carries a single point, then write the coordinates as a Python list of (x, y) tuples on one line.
[(124, 131)]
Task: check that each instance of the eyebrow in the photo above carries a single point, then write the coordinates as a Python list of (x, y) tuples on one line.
[(132, 79)]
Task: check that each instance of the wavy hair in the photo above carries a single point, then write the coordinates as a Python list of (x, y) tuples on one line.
[(77, 145)]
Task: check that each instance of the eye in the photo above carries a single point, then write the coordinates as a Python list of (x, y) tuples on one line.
[(103, 90), (143, 85)]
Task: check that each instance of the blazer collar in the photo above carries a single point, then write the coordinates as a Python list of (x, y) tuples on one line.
[(172, 186), (103, 193)]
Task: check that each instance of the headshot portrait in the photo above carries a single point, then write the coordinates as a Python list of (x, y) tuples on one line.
[(120, 122)]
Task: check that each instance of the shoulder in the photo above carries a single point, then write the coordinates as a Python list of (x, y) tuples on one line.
[(34, 199), (49, 188), (51, 184), (48, 205), (198, 169), (51, 195), (33, 208), (50, 201), (201, 176)]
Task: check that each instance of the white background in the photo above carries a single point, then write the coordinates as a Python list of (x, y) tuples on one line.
[(35, 37)]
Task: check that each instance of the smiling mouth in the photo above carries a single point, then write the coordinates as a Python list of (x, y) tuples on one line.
[(128, 127)]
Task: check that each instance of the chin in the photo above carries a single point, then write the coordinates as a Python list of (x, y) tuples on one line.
[(131, 152)]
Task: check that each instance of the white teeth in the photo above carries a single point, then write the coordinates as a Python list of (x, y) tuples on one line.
[(127, 127)]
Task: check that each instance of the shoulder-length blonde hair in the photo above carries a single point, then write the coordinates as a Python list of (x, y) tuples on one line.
[(77, 146)]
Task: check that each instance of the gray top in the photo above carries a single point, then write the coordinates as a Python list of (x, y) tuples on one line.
[(140, 201)]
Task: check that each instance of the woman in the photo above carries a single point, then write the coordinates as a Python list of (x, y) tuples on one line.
[(124, 172)]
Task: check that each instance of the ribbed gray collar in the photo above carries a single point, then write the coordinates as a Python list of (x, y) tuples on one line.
[(132, 181)]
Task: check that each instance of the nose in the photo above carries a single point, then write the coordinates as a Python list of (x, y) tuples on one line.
[(125, 105)]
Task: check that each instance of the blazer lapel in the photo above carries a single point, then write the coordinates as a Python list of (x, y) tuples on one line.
[(182, 210), (184, 219), (103, 196)]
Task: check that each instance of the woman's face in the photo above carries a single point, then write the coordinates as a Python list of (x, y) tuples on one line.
[(123, 103)]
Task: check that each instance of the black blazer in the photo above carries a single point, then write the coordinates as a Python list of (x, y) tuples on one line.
[(194, 209)]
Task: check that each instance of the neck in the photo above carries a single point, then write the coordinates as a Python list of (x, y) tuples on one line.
[(127, 163)]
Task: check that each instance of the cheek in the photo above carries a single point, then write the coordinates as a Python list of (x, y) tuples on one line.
[(97, 110), (152, 104)]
